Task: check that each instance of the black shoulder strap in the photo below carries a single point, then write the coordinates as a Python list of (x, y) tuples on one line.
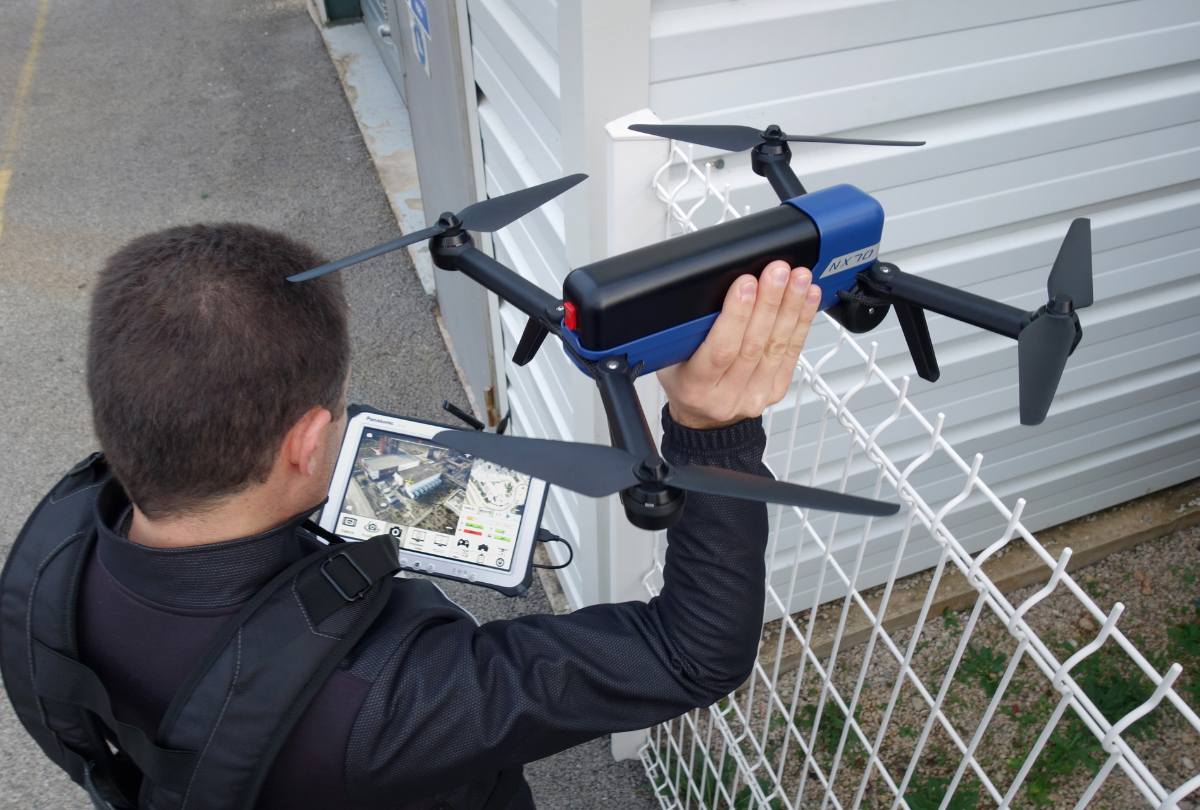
[(37, 612), (63, 680), (241, 702), (227, 723)]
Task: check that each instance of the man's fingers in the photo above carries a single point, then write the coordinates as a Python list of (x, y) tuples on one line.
[(775, 351), (783, 375), (771, 286), (720, 348)]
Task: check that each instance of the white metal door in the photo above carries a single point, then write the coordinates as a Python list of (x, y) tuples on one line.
[(440, 96)]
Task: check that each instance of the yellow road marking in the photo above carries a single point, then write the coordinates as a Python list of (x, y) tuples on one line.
[(5, 176), (12, 137)]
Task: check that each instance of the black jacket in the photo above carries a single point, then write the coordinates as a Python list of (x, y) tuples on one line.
[(430, 706)]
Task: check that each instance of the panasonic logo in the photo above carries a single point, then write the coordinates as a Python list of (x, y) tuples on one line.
[(377, 421), (849, 260)]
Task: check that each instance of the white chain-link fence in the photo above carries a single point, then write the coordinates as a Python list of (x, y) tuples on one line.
[(933, 715)]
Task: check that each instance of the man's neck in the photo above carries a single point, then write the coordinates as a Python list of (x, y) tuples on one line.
[(296, 483), (242, 515)]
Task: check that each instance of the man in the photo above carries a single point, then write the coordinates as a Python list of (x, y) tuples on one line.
[(218, 396)]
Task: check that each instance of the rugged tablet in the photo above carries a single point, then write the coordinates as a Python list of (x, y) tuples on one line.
[(455, 515)]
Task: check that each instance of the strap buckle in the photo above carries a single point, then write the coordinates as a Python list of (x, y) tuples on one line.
[(366, 579)]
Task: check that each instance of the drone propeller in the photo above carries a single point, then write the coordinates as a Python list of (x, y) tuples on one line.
[(486, 216), (1045, 344), (596, 470), (738, 139), (1072, 271)]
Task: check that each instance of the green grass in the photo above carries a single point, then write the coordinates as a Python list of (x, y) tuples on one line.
[(1185, 646), (833, 720), (1185, 638), (928, 792), (1095, 588), (1066, 751), (983, 666), (1112, 683), (1116, 687)]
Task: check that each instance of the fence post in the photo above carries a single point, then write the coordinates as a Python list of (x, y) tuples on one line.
[(635, 219)]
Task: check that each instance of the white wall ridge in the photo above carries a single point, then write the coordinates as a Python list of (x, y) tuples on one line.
[(531, 47), (1049, 234), (845, 90)]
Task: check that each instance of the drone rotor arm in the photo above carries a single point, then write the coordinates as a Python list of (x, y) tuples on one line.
[(779, 174), (626, 420), (994, 316), (522, 294)]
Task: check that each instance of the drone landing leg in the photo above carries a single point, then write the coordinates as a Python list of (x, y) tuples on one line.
[(531, 340), (920, 345)]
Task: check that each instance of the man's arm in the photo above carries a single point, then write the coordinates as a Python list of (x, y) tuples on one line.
[(455, 700)]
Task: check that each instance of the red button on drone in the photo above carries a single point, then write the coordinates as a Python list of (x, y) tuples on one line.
[(569, 320)]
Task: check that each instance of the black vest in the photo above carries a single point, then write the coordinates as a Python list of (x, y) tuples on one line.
[(227, 722)]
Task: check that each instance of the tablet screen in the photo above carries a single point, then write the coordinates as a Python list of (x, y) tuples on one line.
[(434, 500)]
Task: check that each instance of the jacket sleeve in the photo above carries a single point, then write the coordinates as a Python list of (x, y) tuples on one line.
[(454, 700)]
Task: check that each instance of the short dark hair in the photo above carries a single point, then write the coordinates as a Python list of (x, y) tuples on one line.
[(201, 357)]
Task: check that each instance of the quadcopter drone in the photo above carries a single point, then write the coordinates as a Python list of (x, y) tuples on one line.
[(628, 315)]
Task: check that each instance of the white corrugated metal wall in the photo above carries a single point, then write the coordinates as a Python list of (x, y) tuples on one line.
[(1035, 112), (514, 45)]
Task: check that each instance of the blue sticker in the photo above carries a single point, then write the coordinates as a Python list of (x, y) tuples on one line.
[(419, 43), (421, 13)]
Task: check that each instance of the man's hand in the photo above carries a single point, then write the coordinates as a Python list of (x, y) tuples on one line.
[(746, 362)]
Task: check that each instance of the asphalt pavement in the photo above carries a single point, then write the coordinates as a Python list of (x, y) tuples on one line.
[(120, 118)]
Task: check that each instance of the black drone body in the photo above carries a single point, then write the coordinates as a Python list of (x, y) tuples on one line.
[(838, 238), (649, 308)]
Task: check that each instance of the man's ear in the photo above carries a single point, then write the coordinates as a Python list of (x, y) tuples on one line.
[(303, 441)]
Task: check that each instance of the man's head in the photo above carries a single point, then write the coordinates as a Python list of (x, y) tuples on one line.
[(203, 359)]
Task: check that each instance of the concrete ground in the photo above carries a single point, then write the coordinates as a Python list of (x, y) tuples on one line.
[(132, 116)]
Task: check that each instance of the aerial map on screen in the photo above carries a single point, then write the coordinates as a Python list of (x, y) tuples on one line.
[(434, 500)]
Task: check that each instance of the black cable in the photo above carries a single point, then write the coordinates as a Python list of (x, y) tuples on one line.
[(544, 536)]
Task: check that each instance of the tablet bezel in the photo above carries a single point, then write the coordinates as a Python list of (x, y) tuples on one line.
[(513, 582)]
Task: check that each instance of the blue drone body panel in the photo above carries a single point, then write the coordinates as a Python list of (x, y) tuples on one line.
[(849, 222), (659, 350)]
